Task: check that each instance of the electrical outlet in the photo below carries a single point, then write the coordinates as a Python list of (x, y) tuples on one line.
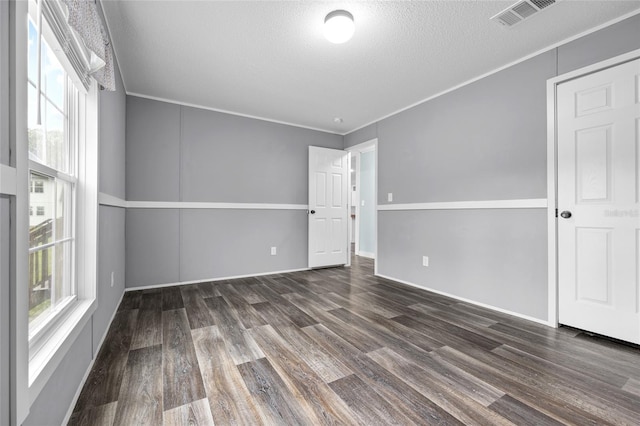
[(390, 197), (113, 279), (362, 203), (274, 251), (425, 260)]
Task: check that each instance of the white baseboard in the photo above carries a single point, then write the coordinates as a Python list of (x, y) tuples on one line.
[(74, 401), (473, 302), (207, 280), (366, 254)]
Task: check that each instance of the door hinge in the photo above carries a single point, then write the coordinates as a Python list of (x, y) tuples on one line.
[(556, 212)]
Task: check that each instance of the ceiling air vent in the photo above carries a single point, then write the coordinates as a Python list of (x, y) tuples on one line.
[(541, 4), (524, 9), (521, 11)]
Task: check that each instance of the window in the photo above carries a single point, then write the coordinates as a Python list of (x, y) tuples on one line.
[(37, 186), (52, 138), (57, 153)]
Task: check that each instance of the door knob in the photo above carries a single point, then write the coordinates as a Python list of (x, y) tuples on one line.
[(566, 214), (312, 212)]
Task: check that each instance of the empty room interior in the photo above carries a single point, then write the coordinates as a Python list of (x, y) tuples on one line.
[(319, 212)]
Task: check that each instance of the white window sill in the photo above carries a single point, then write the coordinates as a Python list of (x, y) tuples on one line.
[(46, 360)]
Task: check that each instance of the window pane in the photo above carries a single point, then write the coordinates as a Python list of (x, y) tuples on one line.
[(62, 279), (42, 205), (33, 52), (53, 77), (40, 280), (57, 149), (36, 139), (63, 210), (48, 141)]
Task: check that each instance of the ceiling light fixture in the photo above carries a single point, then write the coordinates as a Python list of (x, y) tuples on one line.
[(339, 26)]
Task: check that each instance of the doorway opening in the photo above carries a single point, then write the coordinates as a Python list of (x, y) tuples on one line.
[(363, 199)]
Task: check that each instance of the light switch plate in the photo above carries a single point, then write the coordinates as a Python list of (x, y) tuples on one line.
[(390, 197)]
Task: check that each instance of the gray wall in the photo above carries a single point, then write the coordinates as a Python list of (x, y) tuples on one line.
[(111, 259), (4, 310), (57, 396), (365, 134), (4, 82), (112, 140), (604, 44), (4, 217), (191, 245), (178, 153), (152, 150), (484, 141), (111, 226), (241, 160), (482, 255)]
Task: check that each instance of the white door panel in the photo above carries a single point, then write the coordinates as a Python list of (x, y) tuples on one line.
[(328, 226), (599, 183)]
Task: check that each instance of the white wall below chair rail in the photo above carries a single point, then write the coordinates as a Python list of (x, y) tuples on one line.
[(534, 203), (110, 200)]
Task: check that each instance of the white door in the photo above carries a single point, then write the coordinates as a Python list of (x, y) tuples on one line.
[(598, 193), (328, 207)]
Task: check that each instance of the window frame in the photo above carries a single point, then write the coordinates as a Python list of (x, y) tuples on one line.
[(32, 373), (40, 328)]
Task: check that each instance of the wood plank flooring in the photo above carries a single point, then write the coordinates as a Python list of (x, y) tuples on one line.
[(340, 346)]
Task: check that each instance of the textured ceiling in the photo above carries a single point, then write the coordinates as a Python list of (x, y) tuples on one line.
[(269, 59)]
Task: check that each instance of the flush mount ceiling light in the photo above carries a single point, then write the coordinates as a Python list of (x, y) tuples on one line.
[(339, 26)]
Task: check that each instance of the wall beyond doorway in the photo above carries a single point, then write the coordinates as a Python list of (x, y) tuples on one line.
[(367, 232)]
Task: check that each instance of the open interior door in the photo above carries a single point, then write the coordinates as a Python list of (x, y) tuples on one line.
[(328, 207)]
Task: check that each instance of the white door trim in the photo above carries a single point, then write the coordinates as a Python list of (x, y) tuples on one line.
[(357, 221), (370, 145), (552, 170)]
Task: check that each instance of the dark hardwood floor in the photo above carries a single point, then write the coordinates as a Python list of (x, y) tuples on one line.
[(340, 346)]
